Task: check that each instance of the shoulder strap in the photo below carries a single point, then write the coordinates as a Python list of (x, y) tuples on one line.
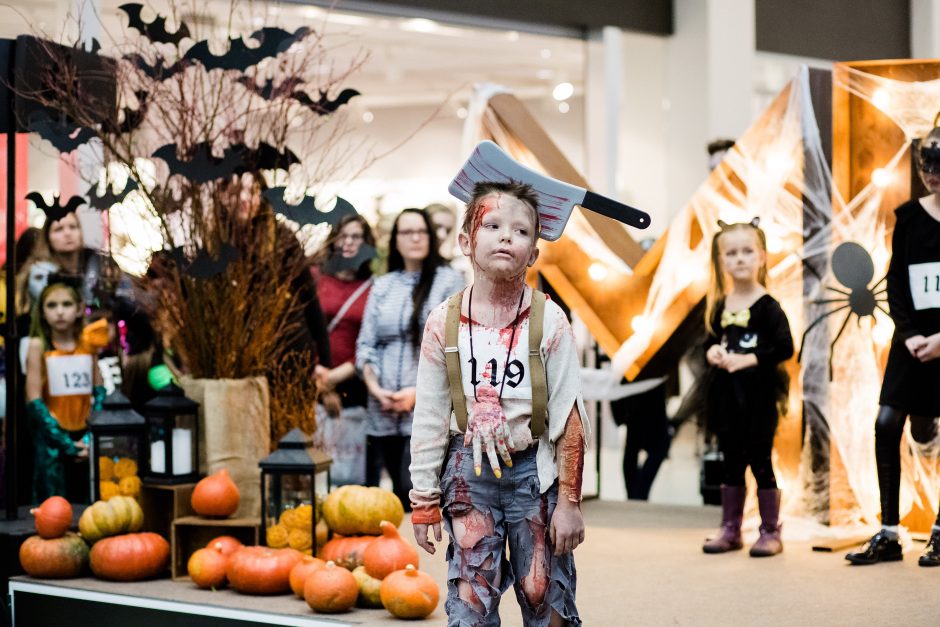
[(347, 304), (452, 359), (536, 367)]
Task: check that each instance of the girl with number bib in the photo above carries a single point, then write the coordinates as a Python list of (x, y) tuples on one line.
[(748, 338), (62, 386), (913, 370)]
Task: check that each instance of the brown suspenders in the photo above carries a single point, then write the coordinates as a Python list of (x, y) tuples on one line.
[(536, 366)]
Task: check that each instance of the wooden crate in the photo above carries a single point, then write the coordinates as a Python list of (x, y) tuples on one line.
[(191, 533), (162, 504)]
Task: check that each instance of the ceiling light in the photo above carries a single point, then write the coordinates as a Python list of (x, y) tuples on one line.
[(462, 113), (562, 91), (419, 25), (545, 74), (367, 117), (563, 107), (546, 53), (312, 13), (512, 35)]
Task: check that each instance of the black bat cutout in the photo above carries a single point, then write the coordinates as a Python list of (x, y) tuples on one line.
[(203, 266), (155, 31), (109, 198), (132, 117), (264, 157), (64, 135), (202, 167), (338, 263), (82, 45), (160, 71), (268, 91), (239, 56), (325, 106), (55, 211), (306, 211)]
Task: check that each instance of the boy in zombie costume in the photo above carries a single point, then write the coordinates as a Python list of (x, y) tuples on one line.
[(519, 403)]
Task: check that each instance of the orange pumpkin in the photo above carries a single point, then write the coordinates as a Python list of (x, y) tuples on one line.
[(358, 510), (409, 593), (53, 517), (300, 572), (346, 552), (226, 544), (331, 589), (261, 570), (206, 567), (57, 558), (216, 495), (130, 557), (388, 553)]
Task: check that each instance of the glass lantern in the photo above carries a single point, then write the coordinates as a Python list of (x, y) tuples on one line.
[(117, 450), (291, 478), (173, 437)]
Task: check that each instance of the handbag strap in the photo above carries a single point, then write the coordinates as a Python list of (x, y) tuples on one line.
[(346, 305)]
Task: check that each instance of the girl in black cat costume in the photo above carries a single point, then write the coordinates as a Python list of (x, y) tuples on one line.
[(748, 338)]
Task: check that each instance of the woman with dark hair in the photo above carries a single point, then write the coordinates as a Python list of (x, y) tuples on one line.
[(418, 280)]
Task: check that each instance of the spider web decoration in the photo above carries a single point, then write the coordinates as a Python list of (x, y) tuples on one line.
[(853, 268)]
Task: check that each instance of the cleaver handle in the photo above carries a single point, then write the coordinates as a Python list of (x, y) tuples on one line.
[(615, 210)]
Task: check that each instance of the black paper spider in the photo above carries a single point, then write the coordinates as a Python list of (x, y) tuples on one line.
[(853, 268)]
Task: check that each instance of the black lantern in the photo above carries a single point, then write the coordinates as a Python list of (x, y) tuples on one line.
[(117, 448), (173, 436), (291, 478)]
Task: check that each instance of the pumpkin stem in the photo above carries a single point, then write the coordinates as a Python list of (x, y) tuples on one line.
[(410, 570)]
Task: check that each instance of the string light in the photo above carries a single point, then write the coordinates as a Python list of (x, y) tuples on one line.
[(881, 98), (598, 271), (641, 325), (562, 91), (881, 178)]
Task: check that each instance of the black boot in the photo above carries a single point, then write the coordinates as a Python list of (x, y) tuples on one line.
[(880, 548), (931, 556)]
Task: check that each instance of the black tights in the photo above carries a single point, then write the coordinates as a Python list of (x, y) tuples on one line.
[(393, 453), (739, 453), (889, 426)]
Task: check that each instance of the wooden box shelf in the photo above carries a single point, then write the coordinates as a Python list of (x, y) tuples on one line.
[(191, 533), (162, 504)]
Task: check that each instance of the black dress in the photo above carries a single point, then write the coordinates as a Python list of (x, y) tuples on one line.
[(746, 401), (914, 299)]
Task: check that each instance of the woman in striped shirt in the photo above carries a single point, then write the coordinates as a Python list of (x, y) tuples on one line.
[(390, 338)]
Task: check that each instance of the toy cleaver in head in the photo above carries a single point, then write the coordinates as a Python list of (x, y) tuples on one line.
[(556, 199)]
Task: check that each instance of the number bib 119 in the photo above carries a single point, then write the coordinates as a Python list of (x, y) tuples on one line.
[(69, 375), (925, 285)]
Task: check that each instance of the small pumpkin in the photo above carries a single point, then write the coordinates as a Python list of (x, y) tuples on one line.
[(105, 468), (277, 536), (388, 553), (300, 539), (322, 531), (409, 593), (216, 495), (120, 514), (53, 517), (130, 557), (261, 570), (206, 567), (226, 544), (125, 467), (56, 558), (108, 490), (357, 510), (369, 588), (331, 589), (130, 486), (346, 552), (302, 570)]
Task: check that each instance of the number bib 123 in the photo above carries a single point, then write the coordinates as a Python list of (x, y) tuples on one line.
[(69, 375)]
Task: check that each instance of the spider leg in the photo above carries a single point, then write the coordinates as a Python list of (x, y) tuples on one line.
[(832, 346), (883, 310), (883, 290), (814, 323), (838, 291), (883, 279), (827, 301)]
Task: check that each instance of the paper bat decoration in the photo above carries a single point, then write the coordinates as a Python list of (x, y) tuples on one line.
[(160, 71), (132, 117), (63, 135), (338, 263), (268, 91), (306, 212), (155, 31), (55, 211), (264, 157), (240, 56), (325, 106), (108, 199), (81, 44), (203, 266), (202, 167), (557, 199)]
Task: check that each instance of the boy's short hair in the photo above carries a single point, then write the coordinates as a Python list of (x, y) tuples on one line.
[(522, 191)]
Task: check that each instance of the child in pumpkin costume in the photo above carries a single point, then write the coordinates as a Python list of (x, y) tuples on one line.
[(520, 404), (63, 385)]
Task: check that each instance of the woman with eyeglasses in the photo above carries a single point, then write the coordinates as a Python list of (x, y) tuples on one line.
[(418, 280)]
